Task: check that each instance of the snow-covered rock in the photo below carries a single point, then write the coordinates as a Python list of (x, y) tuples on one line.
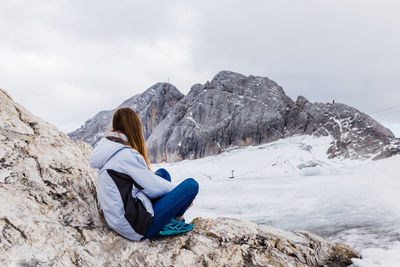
[(355, 134), (152, 106), (49, 214)]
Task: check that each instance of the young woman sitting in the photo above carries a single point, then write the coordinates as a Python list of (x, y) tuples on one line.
[(136, 202)]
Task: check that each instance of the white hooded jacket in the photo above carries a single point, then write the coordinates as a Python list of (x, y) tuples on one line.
[(125, 185)]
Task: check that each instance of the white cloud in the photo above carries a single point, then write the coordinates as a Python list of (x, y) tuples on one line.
[(67, 60)]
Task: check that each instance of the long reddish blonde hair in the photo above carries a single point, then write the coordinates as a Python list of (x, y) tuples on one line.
[(127, 121)]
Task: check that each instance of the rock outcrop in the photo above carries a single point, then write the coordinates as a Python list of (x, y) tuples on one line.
[(152, 107), (231, 110), (235, 110), (355, 134), (49, 214)]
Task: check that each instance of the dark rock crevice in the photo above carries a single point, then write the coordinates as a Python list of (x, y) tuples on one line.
[(29, 123), (8, 222)]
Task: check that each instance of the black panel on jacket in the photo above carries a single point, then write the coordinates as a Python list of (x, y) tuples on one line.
[(135, 212)]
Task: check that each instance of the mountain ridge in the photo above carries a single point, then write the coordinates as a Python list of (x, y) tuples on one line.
[(237, 110)]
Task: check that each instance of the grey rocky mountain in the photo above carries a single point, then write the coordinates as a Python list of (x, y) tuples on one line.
[(231, 110), (49, 214), (152, 106), (235, 110)]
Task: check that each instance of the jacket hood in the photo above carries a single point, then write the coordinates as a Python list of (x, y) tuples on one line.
[(103, 151)]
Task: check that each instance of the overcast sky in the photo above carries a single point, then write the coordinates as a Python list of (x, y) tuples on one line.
[(67, 60)]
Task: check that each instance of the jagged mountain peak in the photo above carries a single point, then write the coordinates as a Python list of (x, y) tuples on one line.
[(152, 106), (226, 75), (301, 101), (158, 89), (235, 82), (230, 110)]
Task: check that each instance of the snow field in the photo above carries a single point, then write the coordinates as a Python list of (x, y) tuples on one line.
[(292, 185)]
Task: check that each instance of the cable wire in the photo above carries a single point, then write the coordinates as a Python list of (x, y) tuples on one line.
[(385, 109)]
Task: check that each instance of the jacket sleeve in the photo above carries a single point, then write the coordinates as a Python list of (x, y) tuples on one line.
[(153, 185)]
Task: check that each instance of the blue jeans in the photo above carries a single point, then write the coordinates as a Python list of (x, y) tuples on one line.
[(173, 204)]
